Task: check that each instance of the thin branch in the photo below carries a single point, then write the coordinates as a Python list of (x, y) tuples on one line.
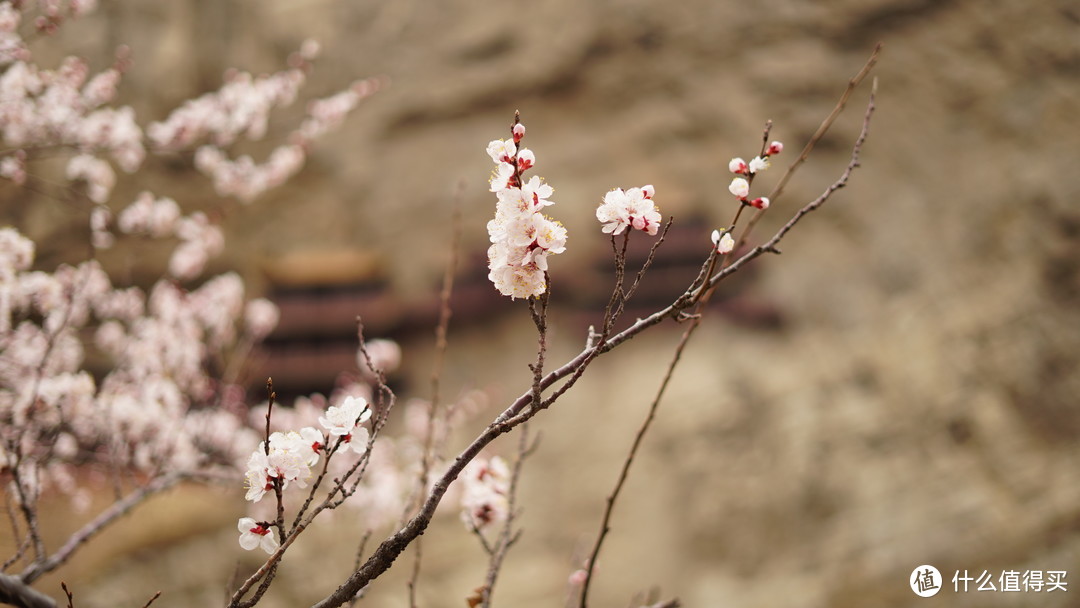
[(770, 246), (516, 413), (481, 538), (106, 517), (359, 560), (17, 593), (605, 524), (445, 311), (438, 365), (26, 499), (507, 536), (814, 139), (617, 294), (279, 521), (13, 519), (151, 600), (695, 323), (648, 262)]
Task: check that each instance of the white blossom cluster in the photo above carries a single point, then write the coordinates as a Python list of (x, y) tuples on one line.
[(150, 410), (484, 493), (62, 107), (66, 107), (241, 108), (630, 208), (160, 400), (199, 238), (287, 458), (245, 178), (521, 236)]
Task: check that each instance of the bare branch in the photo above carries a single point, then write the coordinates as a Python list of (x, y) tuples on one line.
[(17, 593), (508, 536), (770, 246), (605, 525), (814, 139), (151, 600), (106, 517)]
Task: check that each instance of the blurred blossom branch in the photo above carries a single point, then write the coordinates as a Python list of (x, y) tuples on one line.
[(159, 412)]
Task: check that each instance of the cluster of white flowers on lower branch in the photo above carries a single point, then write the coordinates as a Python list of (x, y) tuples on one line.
[(522, 238), (287, 458)]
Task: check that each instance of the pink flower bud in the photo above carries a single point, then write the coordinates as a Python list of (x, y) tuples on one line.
[(774, 148), (737, 166), (648, 190), (519, 132), (760, 203)]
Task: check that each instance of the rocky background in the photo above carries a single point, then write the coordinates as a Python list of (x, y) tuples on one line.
[(908, 396)]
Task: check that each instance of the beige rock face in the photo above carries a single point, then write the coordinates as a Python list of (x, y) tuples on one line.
[(918, 403)]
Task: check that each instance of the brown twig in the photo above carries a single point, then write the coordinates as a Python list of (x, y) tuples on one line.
[(617, 293), (507, 535), (694, 324), (629, 292), (27, 499), (517, 413), (151, 600), (437, 366), (106, 517), (814, 139), (770, 246), (359, 559), (279, 522), (17, 593), (605, 524), (13, 519), (538, 308)]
